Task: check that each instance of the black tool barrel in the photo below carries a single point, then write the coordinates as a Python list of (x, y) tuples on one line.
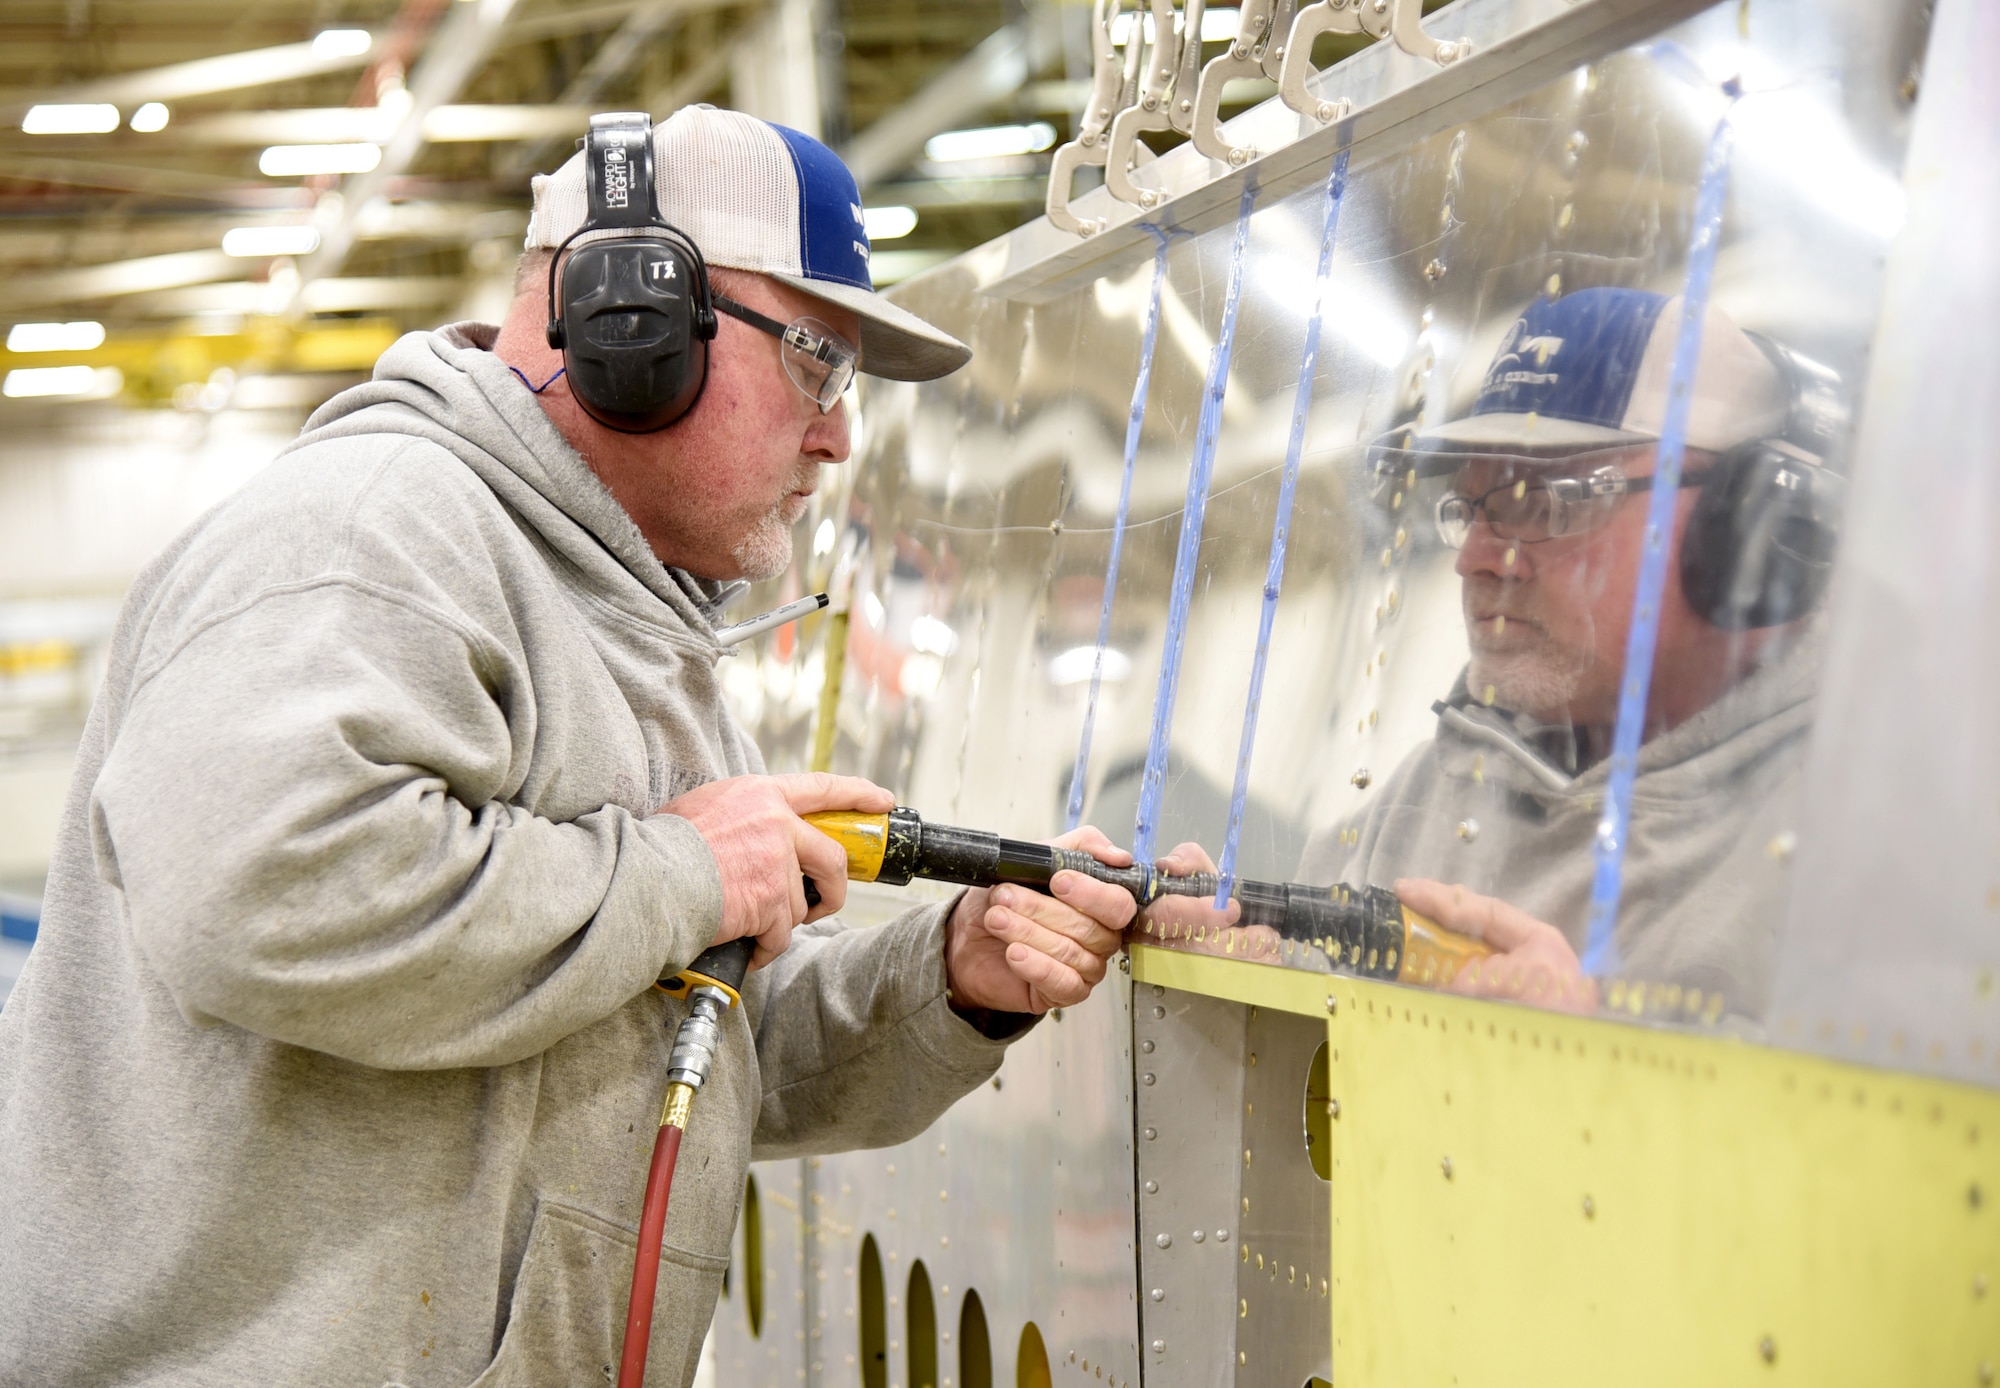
[(975, 858), (725, 963)]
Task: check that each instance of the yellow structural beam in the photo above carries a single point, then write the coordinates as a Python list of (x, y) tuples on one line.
[(1526, 1198), (156, 364)]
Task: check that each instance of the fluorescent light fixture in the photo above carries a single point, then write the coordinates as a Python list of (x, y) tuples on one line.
[(54, 337), (927, 633), (1075, 665), (888, 223), (49, 382), (342, 43), (989, 142), (257, 242), (1217, 26), (150, 117), (304, 161), (91, 118)]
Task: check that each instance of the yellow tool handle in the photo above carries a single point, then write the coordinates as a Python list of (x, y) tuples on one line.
[(865, 837), (1433, 955)]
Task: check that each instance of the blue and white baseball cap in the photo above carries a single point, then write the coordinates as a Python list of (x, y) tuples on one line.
[(1592, 370), (760, 197)]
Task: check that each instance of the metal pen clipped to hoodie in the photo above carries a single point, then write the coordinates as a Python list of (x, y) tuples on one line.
[(337, 1060)]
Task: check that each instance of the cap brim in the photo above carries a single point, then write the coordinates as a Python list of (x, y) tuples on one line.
[(894, 342), (1528, 435)]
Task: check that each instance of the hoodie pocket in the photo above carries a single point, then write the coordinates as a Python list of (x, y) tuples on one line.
[(567, 1320)]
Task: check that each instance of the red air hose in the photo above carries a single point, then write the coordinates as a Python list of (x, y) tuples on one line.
[(646, 1266)]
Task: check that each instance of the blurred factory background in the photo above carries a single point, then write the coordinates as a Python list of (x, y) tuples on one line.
[(214, 214)]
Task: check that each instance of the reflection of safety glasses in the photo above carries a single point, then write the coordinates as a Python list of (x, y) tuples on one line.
[(1530, 510), (819, 363)]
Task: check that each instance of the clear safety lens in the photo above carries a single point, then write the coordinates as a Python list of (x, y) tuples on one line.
[(818, 362), (1530, 510)]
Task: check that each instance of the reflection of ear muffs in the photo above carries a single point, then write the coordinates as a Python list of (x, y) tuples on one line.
[(1759, 543), (632, 314)]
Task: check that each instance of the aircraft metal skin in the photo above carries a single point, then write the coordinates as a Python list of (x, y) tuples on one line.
[(1147, 1193)]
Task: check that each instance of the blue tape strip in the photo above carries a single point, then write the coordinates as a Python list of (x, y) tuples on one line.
[(1600, 949), (1153, 784), (1080, 776), (1274, 573)]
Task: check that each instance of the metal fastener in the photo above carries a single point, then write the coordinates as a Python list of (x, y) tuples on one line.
[(1152, 1187), (1446, 1165), (1152, 1133), (1222, 1236), (1159, 1346), (1332, 1005), (1165, 1240), (1768, 1348), (1159, 1293), (1589, 1208), (1199, 1236)]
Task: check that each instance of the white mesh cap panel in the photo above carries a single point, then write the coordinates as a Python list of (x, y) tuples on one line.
[(724, 178)]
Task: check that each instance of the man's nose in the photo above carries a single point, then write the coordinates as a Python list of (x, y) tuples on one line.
[(1485, 551), (826, 439)]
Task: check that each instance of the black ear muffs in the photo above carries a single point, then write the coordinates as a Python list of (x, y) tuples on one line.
[(631, 314), (1759, 544)]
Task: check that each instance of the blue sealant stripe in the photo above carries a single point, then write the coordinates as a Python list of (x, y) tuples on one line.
[(1153, 784), (1079, 777), (1274, 573), (1600, 950)]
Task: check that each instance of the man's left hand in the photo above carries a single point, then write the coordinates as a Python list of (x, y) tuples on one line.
[(1009, 949), (1533, 962)]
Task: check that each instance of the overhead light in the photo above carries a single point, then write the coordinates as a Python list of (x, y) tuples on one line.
[(342, 43), (54, 337), (989, 142), (888, 223), (1077, 664), (1217, 26), (258, 242), (304, 161), (91, 118), (929, 634), (150, 117), (31, 382)]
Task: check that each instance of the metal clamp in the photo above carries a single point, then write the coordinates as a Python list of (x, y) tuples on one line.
[(1406, 25), (1166, 98), (1113, 87), (1247, 57), (1323, 17)]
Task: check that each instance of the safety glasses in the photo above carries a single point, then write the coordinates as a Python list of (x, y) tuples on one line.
[(817, 360), (1529, 510)]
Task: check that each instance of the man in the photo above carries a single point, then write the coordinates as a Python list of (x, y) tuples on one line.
[(339, 1060), (1550, 477)]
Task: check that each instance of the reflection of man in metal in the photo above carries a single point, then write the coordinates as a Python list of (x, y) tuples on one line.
[(1547, 508)]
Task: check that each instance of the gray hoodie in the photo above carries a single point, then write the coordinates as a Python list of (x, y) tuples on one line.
[(1489, 804), (338, 1061)]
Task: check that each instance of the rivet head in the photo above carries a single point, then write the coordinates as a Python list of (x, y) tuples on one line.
[(1146, 1046), (1589, 1208), (1445, 1166), (1767, 1349), (1152, 1133), (1332, 1005), (1361, 779), (1985, 1371), (1159, 1293), (1199, 1236), (1165, 1240), (1159, 1346), (1333, 1108), (1468, 829), (1222, 1236), (1147, 1079)]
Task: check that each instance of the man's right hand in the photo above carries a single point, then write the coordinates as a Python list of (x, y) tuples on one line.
[(764, 849)]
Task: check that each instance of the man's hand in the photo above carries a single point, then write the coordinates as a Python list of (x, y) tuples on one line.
[(1534, 963), (764, 849), (1008, 949), (1192, 922)]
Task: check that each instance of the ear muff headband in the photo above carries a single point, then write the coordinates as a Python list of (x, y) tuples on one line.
[(1759, 544), (631, 314)]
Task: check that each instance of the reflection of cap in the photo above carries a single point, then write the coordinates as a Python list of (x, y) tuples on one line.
[(1592, 369), (759, 197)]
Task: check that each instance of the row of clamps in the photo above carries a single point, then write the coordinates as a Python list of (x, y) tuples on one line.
[(1151, 82)]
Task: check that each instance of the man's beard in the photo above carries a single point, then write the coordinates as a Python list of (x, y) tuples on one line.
[(1526, 669), (766, 551)]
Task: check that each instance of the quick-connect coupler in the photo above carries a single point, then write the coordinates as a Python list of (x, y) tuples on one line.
[(699, 1037), (709, 987)]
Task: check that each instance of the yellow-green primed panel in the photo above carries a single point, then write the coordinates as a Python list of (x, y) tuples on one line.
[(1524, 1198)]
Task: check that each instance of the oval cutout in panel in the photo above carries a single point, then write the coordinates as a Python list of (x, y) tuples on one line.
[(1319, 1115), (920, 1337), (874, 1318), (1031, 1360), (975, 1347)]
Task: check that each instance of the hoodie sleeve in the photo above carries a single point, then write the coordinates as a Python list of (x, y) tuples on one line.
[(856, 1040), (307, 806)]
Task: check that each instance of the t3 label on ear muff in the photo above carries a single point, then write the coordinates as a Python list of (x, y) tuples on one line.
[(632, 313)]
